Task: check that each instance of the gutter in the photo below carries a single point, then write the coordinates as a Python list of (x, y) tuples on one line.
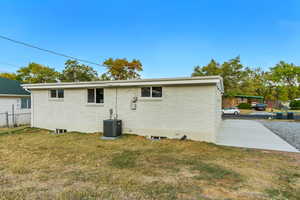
[(127, 83), (14, 95)]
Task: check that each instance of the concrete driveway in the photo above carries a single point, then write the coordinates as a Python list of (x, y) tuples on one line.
[(250, 134)]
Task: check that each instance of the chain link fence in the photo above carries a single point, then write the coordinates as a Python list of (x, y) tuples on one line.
[(14, 119)]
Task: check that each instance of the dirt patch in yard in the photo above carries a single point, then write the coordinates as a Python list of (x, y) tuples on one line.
[(37, 165)]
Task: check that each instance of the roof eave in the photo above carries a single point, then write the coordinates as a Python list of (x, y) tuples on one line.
[(189, 81), (14, 95)]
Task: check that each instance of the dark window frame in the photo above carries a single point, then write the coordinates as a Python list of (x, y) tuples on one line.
[(156, 95), (53, 94), (57, 94), (26, 104), (151, 92), (90, 95), (60, 93), (145, 90), (98, 96)]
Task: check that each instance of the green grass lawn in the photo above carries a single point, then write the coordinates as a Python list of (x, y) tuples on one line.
[(35, 164)]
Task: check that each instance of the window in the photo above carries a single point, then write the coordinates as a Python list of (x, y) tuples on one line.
[(25, 103), (156, 92), (153, 92), (91, 95), (146, 92), (53, 93), (59, 93), (95, 95)]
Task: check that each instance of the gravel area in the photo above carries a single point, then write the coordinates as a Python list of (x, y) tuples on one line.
[(289, 131)]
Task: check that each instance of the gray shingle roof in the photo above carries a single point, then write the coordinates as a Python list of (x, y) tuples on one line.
[(11, 87)]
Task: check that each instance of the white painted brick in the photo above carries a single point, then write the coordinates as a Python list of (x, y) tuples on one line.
[(194, 111)]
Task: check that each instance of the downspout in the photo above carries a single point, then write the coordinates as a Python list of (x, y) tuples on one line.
[(116, 104), (32, 110)]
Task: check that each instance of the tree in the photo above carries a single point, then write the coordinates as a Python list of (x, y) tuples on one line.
[(232, 71), (264, 86), (249, 84), (36, 73), (11, 76), (104, 77), (122, 69), (75, 71), (287, 76), (258, 83), (234, 75), (280, 83), (213, 68)]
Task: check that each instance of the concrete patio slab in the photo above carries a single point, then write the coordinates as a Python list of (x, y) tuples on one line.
[(250, 134)]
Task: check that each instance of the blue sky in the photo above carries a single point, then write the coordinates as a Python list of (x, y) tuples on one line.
[(169, 37)]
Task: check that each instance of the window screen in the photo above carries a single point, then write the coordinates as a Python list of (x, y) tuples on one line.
[(25, 103), (91, 96), (29, 102), (96, 95), (60, 93), (53, 93), (99, 95), (156, 92), (145, 92)]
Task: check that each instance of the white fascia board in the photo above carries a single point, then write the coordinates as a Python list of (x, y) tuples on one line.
[(121, 84), (14, 95), (220, 85)]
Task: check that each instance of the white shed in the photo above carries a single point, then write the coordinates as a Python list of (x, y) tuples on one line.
[(168, 107)]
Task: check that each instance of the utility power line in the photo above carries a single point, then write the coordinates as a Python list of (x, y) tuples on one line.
[(48, 51)]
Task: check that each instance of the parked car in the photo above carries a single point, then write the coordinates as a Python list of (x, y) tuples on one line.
[(231, 111), (253, 104), (260, 107)]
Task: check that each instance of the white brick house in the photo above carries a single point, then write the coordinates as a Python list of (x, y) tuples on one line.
[(171, 107)]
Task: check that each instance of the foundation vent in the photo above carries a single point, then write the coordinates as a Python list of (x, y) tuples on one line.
[(60, 131)]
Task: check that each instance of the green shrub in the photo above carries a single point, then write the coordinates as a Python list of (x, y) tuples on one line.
[(244, 106), (295, 105), (295, 108)]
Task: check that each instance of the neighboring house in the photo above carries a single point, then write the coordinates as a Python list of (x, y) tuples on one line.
[(170, 107), (11, 93), (238, 99), (15, 103)]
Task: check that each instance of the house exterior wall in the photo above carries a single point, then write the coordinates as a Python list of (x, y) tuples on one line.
[(194, 111), (22, 116), (218, 109), (7, 102)]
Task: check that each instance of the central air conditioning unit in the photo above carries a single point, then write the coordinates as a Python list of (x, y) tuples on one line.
[(112, 128)]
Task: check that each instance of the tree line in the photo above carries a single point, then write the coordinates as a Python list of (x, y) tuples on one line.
[(280, 82), (116, 69)]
